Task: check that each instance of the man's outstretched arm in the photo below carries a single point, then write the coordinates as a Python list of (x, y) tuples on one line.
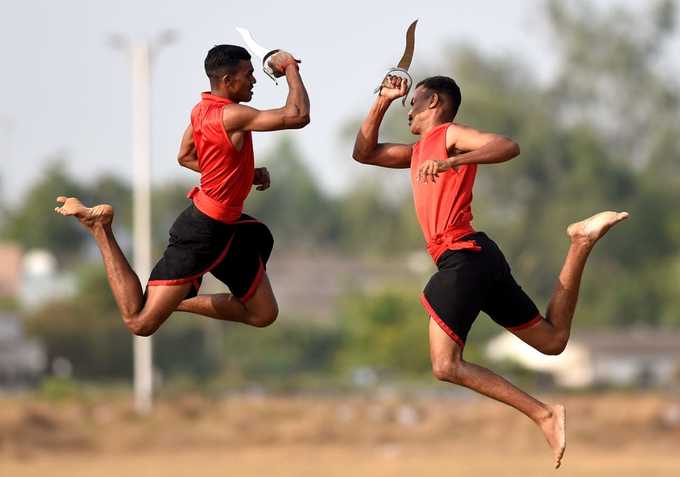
[(187, 151), (294, 115), (367, 150)]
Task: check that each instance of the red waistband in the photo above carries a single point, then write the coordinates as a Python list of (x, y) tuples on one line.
[(213, 208), (450, 239)]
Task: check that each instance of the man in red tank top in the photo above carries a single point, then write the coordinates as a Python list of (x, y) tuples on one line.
[(212, 234), (473, 274)]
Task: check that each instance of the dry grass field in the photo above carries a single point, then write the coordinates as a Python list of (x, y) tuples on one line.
[(608, 435)]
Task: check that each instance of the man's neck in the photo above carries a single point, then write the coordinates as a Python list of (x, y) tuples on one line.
[(221, 94), (430, 125)]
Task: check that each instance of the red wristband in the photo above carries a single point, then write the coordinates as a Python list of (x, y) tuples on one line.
[(290, 61)]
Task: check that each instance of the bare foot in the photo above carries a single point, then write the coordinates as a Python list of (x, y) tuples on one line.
[(88, 216), (554, 429), (592, 229)]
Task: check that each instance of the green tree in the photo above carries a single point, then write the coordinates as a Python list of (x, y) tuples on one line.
[(34, 224), (294, 207), (609, 74), (290, 349), (386, 331), (86, 330)]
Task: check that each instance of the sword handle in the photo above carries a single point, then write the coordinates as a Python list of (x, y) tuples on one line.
[(268, 69), (396, 71)]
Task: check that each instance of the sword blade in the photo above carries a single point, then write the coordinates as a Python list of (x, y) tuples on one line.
[(406, 58), (252, 45)]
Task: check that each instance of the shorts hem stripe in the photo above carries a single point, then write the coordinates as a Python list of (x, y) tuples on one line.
[(440, 322), (166, 283), (526, 325)]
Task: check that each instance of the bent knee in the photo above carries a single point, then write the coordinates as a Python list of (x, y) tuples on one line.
[(142, 330), (262, 320), (140, 327), (556, 346), (447, 370)]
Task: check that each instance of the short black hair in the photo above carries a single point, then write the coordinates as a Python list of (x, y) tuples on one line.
[(223, 59), (445, 86)]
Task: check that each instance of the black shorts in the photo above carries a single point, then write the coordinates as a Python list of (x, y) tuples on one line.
[(235, 253), (469, 282)]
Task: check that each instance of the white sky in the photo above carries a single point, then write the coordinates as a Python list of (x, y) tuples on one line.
[(64, 90)]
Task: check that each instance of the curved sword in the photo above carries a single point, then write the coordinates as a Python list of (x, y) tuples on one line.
[(406, 58), (259, 51), (405, 62)]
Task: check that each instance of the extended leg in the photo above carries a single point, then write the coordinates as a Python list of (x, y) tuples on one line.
[(448, 365), (551, 335), (141, 316)]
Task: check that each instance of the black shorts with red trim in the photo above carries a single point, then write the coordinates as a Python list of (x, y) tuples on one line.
[(235, 253), (471, 281)]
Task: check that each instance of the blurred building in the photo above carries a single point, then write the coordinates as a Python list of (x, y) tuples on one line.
[(32, 277), (11, 257), (632, 358), (22, 360), (41, 280)]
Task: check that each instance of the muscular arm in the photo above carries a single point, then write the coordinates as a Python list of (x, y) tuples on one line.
[(469, 146), (187, 151), (294, 115), (367, 150)]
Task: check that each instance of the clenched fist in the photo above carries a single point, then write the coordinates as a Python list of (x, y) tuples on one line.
[(279, 61), (261, 179), (393, 87)]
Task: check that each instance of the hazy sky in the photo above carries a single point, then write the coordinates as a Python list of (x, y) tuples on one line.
[(65, 91)]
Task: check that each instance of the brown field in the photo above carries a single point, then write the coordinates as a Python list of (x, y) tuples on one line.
[(608, 435)]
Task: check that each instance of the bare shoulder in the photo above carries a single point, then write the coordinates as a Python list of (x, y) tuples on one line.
[(234, 115), (465, 138), (458, 130)]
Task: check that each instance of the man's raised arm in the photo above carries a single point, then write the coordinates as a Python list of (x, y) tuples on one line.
[(367, 150), (295, 113)]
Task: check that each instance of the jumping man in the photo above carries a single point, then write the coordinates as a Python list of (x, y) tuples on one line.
[(473, 274), (212, 234)]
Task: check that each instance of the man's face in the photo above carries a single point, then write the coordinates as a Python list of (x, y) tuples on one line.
[(241, 82), (419, 103)]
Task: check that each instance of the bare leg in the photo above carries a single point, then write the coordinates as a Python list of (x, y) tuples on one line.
[(261, 310), (140, 317), (448, 365), (550, 336)]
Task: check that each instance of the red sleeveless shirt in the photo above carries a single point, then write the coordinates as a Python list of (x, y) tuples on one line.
[(226, 173), (443, 208)]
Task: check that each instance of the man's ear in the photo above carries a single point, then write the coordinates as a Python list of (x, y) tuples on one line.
[(227, 79), (435, 100)]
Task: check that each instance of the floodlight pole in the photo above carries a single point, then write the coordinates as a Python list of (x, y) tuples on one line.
[(141, 56)]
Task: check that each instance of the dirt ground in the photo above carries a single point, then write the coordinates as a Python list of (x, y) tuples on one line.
[(608, 435)]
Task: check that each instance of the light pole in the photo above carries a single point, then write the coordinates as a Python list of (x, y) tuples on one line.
[(141, 55)]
